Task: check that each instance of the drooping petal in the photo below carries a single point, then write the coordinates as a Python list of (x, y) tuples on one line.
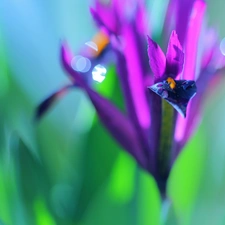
[(157, 60), (118, 125), (193, 33), (48, 102), (174, 56)]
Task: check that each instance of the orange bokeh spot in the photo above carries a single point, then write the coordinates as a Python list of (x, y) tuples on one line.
[(101, 39)]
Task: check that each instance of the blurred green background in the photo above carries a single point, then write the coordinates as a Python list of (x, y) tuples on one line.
[(67, 169)]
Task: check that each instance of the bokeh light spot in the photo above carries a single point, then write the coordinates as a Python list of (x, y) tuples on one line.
[(81, 64), (98, 73), (222, 46), (92, 45)]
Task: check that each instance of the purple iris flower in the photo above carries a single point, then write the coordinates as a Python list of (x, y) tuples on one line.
[(150, 129), (166, 69)]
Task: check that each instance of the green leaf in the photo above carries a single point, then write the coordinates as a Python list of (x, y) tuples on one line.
[(186, 176)]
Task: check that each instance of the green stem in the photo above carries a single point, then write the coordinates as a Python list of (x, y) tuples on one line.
[(165, 141)]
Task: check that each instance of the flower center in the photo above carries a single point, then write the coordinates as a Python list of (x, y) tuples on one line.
[(171, 82)]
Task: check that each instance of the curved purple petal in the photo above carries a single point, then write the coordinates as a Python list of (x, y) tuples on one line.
[(174, 56), (48, 102), (193, 33), (118, 125), (157, 59)]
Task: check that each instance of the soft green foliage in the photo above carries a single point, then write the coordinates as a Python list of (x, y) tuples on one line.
[(67, 169)]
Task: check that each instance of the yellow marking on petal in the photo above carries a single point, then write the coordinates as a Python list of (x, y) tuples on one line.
[(171, 82)]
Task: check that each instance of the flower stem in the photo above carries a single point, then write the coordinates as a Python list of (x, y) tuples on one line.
[(163, 157)]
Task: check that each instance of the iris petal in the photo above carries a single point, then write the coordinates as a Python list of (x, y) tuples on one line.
[(174, 56), (48, 102), (157, 59)]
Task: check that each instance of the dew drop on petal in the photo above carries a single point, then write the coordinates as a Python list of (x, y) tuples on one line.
[(81, 64), (98, 73), (222, 46)]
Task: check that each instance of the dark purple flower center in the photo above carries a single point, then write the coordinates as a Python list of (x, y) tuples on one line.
[(177, 92)]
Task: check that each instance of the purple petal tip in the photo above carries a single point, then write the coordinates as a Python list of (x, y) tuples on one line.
[(66, 53), (174, 56), (157, 59)]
